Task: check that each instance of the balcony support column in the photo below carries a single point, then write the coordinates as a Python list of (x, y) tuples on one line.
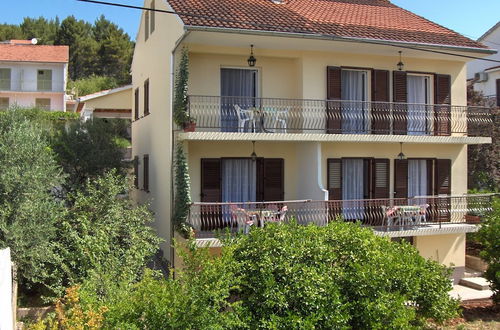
[(310, 172)]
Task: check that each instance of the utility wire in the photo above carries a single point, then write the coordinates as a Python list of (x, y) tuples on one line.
[(269, 26)]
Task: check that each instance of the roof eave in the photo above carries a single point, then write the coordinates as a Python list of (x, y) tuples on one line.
[(486, 51)]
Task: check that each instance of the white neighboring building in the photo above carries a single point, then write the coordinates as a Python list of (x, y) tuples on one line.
[(484, 74), (33, 75)]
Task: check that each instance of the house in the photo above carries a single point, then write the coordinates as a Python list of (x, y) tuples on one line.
[(33, 75), (484, 75), (330, 108), (110, 103)]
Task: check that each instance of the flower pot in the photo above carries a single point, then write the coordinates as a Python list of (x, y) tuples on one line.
[(190, 127), (472, 219)]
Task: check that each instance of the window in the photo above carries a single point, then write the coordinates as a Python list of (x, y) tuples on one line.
[(42, 104), (498, 92), (152, 19), (136, 172), (136, 104), (145, 164), (44, 80), (5, 79), (4, 102), (418, 89), (146, 25), (146, 97)]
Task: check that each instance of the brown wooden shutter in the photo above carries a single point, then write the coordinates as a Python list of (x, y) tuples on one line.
[(380, 93), (333, 92), (442, 95), (334, 168), (400, 178), (146, 97), (498, 92), (400, 96), (136, 104), (442, 184), (274, 181), (136, 172), (145, 164), (380, 178), (211, 186)]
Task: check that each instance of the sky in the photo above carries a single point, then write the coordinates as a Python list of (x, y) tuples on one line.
[(463, 16)]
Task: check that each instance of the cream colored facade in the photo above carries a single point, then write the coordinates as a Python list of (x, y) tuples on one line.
[(288, 67), (114, 103)]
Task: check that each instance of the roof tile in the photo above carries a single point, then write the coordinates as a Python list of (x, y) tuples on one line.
[(34, 53)]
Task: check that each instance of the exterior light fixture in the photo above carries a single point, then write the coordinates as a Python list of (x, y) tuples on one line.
[(251, 60), (400, 64), (253, 155), (401, 155)]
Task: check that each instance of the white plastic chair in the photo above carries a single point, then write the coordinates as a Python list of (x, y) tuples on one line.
[(243, 117), (280, 118)]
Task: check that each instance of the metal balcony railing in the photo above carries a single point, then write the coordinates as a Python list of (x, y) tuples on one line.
[(380, 214), (275, 115)]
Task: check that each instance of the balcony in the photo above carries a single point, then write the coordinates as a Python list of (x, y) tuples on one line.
[(391, 217), (302, 116), (31, 86)]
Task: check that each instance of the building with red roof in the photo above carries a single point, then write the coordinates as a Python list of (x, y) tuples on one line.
[(33, 75), (312, 109)]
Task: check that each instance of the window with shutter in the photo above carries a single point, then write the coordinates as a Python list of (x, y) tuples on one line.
[(136, 104), (211, 189), (4, 102), (442, 99), (145, 178), (152, 19), (442, 186), (146, 97), (333, 92), (380, 93), (498, 92), (334, 167), (146, 25), (400, 97), (274, 183), (136, 172), (380, 178), (44, 80), (400, 178), (5, 80)]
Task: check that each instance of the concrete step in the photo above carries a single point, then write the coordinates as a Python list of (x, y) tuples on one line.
[(478, 283), (472, 273)]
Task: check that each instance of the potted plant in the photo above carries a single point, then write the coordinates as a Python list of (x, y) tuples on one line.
[(473, 217), (190, 124)]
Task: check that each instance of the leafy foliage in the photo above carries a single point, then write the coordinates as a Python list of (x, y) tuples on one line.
[(28, 210), (104, 234), (91, 84), (181, 117), (87, 150), (182, 195), (338, 276), (489, 235)]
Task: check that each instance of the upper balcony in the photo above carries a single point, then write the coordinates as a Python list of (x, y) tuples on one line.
[(301, 118)]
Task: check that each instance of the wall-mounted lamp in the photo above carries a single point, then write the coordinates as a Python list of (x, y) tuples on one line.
[(251, 60), (253, 155), (400, 64), (401, 155)]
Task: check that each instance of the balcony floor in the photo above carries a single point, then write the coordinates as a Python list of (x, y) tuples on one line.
[(320, 137)]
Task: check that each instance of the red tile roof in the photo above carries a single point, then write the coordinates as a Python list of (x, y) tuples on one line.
[(34, 53), (367, 19)]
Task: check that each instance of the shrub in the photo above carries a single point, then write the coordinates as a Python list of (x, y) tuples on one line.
[(88, 150), (489, 235), (29, 175), (338, 276), (91, 84), (103, 234)]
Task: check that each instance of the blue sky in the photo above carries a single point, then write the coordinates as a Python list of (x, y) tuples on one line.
[(464, 16)]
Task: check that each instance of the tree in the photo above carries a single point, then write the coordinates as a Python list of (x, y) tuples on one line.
[(87, 150), (338, 276), (91, 84), (29, 174), (489, 235), (44, 30), (103, 234)]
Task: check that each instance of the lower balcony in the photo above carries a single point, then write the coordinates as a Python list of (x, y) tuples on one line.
[(302, 116), (389, 217)]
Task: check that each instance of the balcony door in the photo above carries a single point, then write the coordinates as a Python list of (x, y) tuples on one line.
[(238, 88), (418, 87), (354, 91)]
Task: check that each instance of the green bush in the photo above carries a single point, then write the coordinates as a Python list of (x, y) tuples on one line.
[(87, 150), (338, 276), (91, 84), (489, 235), (29, 175)]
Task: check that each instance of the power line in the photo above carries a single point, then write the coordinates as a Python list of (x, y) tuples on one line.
[(282, 29)]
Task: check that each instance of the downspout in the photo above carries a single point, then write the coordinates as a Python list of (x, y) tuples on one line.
[(320, 172)]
